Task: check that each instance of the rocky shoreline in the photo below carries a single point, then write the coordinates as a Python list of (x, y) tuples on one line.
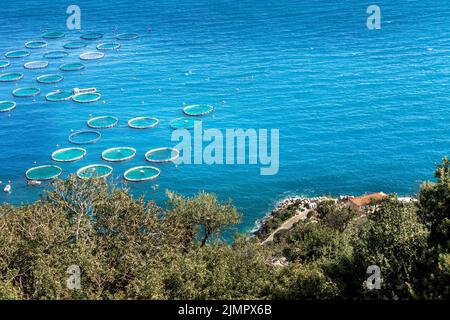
[(285, 209), (296, 205)]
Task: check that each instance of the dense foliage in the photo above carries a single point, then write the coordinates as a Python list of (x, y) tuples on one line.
[(127, 248)]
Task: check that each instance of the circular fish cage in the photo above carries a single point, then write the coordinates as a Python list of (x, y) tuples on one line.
[(142, 173), (127, 36), (92, 36), (68, 154), (36, 65), (198, 110), (53, 35), (6, 106), (108, 46), (75, 66), (26, 92), (55, 54), (94, 171), (85, 137), (4, 63), (17, 54), (11, 76), (36, 44), (143, 123), (58, 95), (118, 154), (93, 55), (103, 122), (185, 123), (87, 97), (43, 173), (162, 155), (75, 45), (49, 78)]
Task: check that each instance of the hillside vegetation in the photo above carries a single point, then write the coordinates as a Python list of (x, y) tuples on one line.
[(128, 248)]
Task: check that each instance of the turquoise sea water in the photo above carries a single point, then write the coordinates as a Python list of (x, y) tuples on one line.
[(358, 110)]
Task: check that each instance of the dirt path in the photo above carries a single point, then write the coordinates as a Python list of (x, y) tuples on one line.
[(287, 224)]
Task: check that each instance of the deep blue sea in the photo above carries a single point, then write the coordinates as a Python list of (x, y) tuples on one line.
[(358, 110)]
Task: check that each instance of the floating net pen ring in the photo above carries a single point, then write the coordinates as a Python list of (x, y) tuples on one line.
[(91, 36), (142, 173), (6, 106), (75, 45), (26, 92), (92, 55), (58, 95), (36, 65), (17, 54), (4, 63), (53, 35), (87, 97), (36, 44), (143, 122), (185, 123), (11, 76), (94, 170), (68, 154), (103, 122), (127, 36), (43, 173), (55, 54), (118, 154), (108, 46), (85, 137), (71, 66), (198, 110), (162, 155), (49, 78)]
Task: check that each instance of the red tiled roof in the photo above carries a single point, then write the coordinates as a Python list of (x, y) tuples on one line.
[(368, 199)]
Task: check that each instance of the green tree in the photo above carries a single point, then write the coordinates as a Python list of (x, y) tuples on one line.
[(434, 210), (215, 271), (394, 240), (335, 216), (307, 281), (307, 242), (203, 214), (434, 205)]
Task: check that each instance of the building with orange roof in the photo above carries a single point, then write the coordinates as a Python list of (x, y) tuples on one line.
[(367, 200)]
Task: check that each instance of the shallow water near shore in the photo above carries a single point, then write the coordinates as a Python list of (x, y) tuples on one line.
[(358, 110)]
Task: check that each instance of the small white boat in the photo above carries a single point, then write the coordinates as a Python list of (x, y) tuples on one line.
[(7, 188), (86, 90)]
